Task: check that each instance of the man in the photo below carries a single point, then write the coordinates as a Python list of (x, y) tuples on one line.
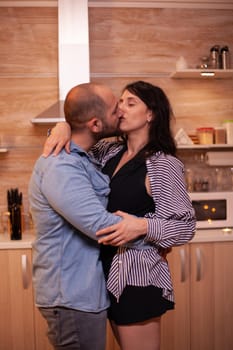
[(68, 195)]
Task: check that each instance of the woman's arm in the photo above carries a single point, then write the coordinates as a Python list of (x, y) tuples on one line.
[(172, 223), (59, 138)]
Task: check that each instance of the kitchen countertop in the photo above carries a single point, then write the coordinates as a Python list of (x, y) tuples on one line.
[(213, 235), (208, 235), (25, 242)]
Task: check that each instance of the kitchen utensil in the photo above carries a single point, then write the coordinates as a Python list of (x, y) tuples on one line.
[(14, 203)]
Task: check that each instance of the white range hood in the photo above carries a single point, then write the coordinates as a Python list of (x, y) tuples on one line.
[(73, 55)]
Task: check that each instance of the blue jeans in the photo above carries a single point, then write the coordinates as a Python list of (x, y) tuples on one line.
[(75, 330)]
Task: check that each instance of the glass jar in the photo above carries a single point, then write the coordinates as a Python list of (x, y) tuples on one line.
[(219, 135), (205, 136), (228, 124)]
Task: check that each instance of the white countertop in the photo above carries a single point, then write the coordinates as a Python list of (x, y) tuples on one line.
[(25, 242), (208, 235), (213, 235)]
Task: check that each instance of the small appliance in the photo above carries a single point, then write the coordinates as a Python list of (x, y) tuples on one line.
[(213, 209)]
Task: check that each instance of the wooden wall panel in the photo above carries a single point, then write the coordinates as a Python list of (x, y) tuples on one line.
[(126, 44), (126, 40), (28, 85), (28, 41), (23, 98), (195, 102)]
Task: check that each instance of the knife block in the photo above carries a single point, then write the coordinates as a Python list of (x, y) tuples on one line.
[(13, 224), (16, 223)]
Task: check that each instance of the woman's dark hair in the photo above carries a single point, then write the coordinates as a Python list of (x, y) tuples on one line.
[(160, 135)]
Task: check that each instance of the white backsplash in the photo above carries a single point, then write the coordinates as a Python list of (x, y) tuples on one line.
[(202, 177)]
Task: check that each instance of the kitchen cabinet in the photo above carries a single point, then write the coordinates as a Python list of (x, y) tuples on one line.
[(41, 340), (202, 320), (202, 276), (16, 300), (21, 325), (111, 343)]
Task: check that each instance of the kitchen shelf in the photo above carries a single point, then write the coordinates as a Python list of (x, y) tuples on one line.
[(203, 74), (3, 150), (211, 146)]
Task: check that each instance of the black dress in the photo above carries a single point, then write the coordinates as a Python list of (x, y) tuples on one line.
[(128, 193)]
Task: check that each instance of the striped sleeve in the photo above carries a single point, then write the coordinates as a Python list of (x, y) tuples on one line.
[(104, 150), (173, 222)]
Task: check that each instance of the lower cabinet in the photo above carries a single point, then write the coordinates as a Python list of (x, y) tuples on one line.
[(111, 343), (21, 325), (41, 340), (16, 300), (203, 282)]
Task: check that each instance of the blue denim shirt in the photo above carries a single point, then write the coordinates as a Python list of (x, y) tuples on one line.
[(68, 196)]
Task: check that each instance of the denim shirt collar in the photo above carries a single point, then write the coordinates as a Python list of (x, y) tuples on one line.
[(74, 148)]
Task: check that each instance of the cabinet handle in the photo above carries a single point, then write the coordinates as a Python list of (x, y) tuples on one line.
[(198, 257), (25, 274), (182, 264)]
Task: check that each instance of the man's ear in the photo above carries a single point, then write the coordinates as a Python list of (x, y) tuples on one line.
[(95, 125)]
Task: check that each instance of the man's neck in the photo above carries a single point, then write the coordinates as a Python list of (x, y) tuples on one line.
[(83, 140)]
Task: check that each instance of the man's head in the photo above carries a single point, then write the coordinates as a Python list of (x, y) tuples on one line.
[(94, 107)]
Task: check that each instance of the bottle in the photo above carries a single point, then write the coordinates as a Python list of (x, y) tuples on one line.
[(229, 130), (219, 135), (225, 58), (214, 57), (181, 63)]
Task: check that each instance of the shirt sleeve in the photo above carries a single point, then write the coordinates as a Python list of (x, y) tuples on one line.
[(103, 150), (69, 190), (173, 221)]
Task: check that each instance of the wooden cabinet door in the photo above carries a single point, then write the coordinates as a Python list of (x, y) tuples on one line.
[(175, 332), (211, 296), (16, 300), (111, 343), (202, 296), (41, 339), (223, 286)]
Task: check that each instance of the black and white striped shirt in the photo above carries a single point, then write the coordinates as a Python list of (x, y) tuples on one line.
[(172, 223)]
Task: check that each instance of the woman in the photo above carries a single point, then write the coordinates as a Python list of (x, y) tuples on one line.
[(147, 180)]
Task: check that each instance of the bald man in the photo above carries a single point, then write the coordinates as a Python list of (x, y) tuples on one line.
[(68, 196)]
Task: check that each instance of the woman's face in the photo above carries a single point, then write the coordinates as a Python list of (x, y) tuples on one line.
[(134, 115)]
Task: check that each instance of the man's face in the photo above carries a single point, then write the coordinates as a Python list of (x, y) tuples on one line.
[(111, 120)]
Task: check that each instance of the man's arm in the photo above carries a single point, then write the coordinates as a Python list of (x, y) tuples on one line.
[(69, 191), (129, 229)]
